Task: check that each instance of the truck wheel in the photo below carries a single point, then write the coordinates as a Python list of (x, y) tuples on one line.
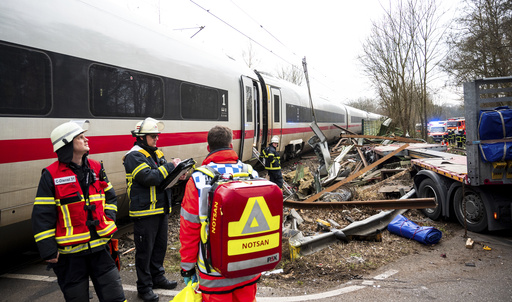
[(428, 189), (476, 216)]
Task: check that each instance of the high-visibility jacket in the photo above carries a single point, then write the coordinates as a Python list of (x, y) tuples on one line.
[(143, 177), (193, 213), (271, 157), (65, 220)]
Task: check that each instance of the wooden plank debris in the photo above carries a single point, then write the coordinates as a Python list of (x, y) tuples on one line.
[(355, 175), (397, 138)]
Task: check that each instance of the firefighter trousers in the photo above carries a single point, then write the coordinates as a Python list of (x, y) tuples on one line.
[(73, 272), (276, 177), (150, 235)]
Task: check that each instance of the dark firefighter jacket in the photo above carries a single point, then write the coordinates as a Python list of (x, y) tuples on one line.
[(271, 157), (145, 171)]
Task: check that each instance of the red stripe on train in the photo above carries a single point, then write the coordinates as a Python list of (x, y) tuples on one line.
[(41, 148)]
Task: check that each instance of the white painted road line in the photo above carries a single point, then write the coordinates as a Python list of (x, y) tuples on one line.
[(172, 293), (312, 297), (30, 277), (385, 275), (130, 288)]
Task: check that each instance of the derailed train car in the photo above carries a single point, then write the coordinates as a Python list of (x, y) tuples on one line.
[(64, 60)]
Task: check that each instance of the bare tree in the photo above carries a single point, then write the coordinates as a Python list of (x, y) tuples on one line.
[(400, 57), (249, 56), (427, 55), (366, 104), (291, 73), (481, 44)]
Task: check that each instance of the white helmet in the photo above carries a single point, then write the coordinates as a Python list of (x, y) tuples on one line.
[(148, 126), (65, 133), (275, 139)]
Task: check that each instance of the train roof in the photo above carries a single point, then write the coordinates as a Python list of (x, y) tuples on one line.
[(103, 32)]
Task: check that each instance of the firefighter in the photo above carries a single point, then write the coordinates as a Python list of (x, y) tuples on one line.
[(272, 162), (74, 217), (458, 137), (451, 137), (146, 168), (213, 285)]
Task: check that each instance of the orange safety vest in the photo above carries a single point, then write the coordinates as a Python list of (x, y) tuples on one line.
[(72, 206)]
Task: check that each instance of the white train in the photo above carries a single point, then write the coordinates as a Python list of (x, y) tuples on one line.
[(63, 59)]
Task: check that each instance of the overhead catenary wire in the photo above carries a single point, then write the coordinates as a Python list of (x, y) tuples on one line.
[(240, 32), (156, 7), (265, 29), (261, 44)]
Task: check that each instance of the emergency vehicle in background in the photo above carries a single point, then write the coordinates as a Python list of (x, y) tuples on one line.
[(457, 125), (474, 188), (437, 130)]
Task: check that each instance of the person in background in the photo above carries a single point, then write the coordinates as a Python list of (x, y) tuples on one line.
[(74, 216), (272, 162), (146, 168), (214, 286)]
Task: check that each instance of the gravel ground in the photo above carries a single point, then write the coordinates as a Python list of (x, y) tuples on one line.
[(334, 265)]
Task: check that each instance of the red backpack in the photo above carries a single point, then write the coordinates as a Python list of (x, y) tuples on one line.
[(245, 224)]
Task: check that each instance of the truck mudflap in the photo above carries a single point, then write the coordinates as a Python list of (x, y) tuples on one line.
[(499, 203)]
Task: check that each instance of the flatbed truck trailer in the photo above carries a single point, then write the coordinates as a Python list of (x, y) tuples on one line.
[(477, 192)]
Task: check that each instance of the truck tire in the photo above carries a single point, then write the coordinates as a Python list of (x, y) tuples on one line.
[(476, 215), (428, 189)]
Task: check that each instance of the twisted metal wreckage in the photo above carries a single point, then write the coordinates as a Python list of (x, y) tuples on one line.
[(327, 172)]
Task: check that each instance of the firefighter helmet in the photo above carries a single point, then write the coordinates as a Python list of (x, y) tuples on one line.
[(65, 133), (275, 139), (148, 126)]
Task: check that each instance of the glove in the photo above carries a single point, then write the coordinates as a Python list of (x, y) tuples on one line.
[(189, 276), (192, 279)]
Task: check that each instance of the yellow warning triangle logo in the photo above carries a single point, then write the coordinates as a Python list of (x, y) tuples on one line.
[(254, 223), (255, 219)]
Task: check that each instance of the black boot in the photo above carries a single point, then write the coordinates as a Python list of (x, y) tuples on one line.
[(148, 296), (165, 284)]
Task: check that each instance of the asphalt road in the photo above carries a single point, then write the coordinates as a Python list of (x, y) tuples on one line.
[(451, 272)]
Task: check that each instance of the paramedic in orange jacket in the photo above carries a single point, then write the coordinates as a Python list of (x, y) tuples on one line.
[(74, 218), (213, 286)]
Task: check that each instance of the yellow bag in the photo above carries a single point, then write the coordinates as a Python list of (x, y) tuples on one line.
[(189, 294)]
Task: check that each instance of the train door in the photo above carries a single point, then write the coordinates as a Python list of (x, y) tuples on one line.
[(250, 117), (275, 113)]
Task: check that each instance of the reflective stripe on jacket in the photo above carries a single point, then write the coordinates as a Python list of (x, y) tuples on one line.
[(272, 159), (143, 176), (60, 213), (73, 207)]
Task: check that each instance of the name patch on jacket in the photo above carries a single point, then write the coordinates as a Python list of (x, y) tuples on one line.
[(64, 180)]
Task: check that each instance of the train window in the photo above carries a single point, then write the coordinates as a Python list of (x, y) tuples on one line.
[(276, 108), (248, 103), (300, 114), (25, 81), (125, 93), (201, 103), (356, 119), (293, 113)]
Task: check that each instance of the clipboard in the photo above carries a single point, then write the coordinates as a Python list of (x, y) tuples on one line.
[(182, 168)]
